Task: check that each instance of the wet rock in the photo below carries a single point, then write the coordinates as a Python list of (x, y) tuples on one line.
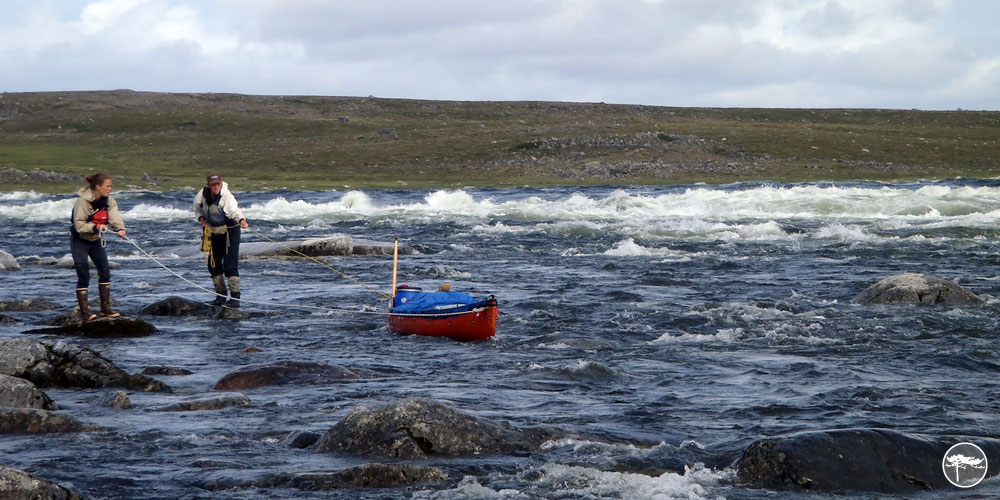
[(66, 261), (285, 373), (332, 245), (418, 427), (364, 476), (875, 460), (917, 288), (166, 371), (29, 305), (122, 326), (177, 306), (60, 364), (34, 421), (300, 439), (19, 393), (19, 485), (8, 262), (118, 400), (211, 402)]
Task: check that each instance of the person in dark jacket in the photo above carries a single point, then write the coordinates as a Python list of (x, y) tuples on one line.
[(217, 210), (94, 214)]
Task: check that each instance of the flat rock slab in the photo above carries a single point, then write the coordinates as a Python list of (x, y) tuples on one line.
[(873, 460), (285, 373), (416, 428), (34, 421), (917, 288), (209, 402), (17, 485), (122, 326)]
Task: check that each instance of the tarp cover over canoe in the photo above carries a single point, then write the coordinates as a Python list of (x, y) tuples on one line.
[(436, 303)]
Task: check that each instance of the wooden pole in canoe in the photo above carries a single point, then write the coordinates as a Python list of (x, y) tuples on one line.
[(395, 261)]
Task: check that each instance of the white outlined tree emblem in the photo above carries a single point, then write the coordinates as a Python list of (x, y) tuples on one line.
[(965, 465)]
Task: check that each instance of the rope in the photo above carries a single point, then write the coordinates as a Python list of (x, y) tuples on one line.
[(274, 304), (324, 264)]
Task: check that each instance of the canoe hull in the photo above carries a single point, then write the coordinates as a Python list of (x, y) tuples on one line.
[(477, 324)]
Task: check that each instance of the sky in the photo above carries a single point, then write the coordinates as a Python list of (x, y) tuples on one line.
[(902, 54)]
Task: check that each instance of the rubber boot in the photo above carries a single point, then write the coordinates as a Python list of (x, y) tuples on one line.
[(81, 298), (234, 292), (220, 290), (104, 289)]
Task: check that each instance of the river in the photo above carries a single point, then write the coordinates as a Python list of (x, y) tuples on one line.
[(663, 322)]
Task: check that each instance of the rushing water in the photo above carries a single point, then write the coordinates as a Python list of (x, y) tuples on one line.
[(672, 325)]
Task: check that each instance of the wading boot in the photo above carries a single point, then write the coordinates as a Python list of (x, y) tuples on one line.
[(220, 290), (234, 292), (104, 289), (81, 298)]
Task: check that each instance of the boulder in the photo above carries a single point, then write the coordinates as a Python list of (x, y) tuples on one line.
[(19, 485), (415, 428), (285, 373), (34, 421), (363, 476), (210, 402), (122, 326), (331, 245), (917, 288), (19, 393), (166, 371), (300, 440), (8, 262), (118, 400), (873, 460), (60, 364)]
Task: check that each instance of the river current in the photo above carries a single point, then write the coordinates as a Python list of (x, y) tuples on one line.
[(672, 325)]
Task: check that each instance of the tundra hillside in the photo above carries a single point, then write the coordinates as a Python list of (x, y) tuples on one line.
[(49, 140)]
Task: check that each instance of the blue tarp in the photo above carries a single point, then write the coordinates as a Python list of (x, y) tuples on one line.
[(435, 302)]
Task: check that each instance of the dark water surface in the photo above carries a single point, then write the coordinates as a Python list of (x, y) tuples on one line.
[(678, 324)]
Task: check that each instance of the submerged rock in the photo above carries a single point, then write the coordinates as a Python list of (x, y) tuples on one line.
[(118, 400), (210, 402), (19, 393), (35, 421), (285, 373), (917, 288), (364, 476), (29, 305), (418, 427), (122, 326), (876, 460), (17, 485), (177, 306), (166, 371), (60, 364)]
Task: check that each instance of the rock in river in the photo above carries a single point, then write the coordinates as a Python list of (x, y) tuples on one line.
[(917, 288), (284, 373), (415, 428), (33, 421), (122, 326), (876, 460), (60, 364), (19, 393), (17, 485)]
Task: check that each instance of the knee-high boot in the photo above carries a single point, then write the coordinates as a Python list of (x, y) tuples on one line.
[(104, 289), (219, 282), (234, 292), (81, 299)]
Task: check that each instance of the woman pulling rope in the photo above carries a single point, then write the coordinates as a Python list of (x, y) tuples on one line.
[(94, 213)]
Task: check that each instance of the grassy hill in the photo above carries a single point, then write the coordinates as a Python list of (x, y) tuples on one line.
[(167, 141)]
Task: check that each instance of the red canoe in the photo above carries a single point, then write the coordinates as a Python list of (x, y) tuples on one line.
[(480, 323)]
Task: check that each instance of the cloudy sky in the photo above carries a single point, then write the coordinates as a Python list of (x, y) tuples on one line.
[(926, 54)]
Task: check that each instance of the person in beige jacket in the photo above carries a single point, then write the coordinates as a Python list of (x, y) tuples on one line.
[(94, 213)]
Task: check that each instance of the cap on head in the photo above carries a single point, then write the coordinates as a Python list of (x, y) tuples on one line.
[(214, 178)]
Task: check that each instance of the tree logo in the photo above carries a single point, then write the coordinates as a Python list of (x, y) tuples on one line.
[(964, 465)]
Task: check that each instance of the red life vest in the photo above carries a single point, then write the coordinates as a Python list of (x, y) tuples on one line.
[(100, 217)]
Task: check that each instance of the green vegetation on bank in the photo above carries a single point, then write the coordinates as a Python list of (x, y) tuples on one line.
[(169, 141)]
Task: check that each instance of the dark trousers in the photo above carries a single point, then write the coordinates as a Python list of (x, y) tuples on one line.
[(225, 253), (81, 250)]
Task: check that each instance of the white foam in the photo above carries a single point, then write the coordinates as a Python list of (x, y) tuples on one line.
[(19, 195)]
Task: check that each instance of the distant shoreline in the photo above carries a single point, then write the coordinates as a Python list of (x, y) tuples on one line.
[(161, 141)]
